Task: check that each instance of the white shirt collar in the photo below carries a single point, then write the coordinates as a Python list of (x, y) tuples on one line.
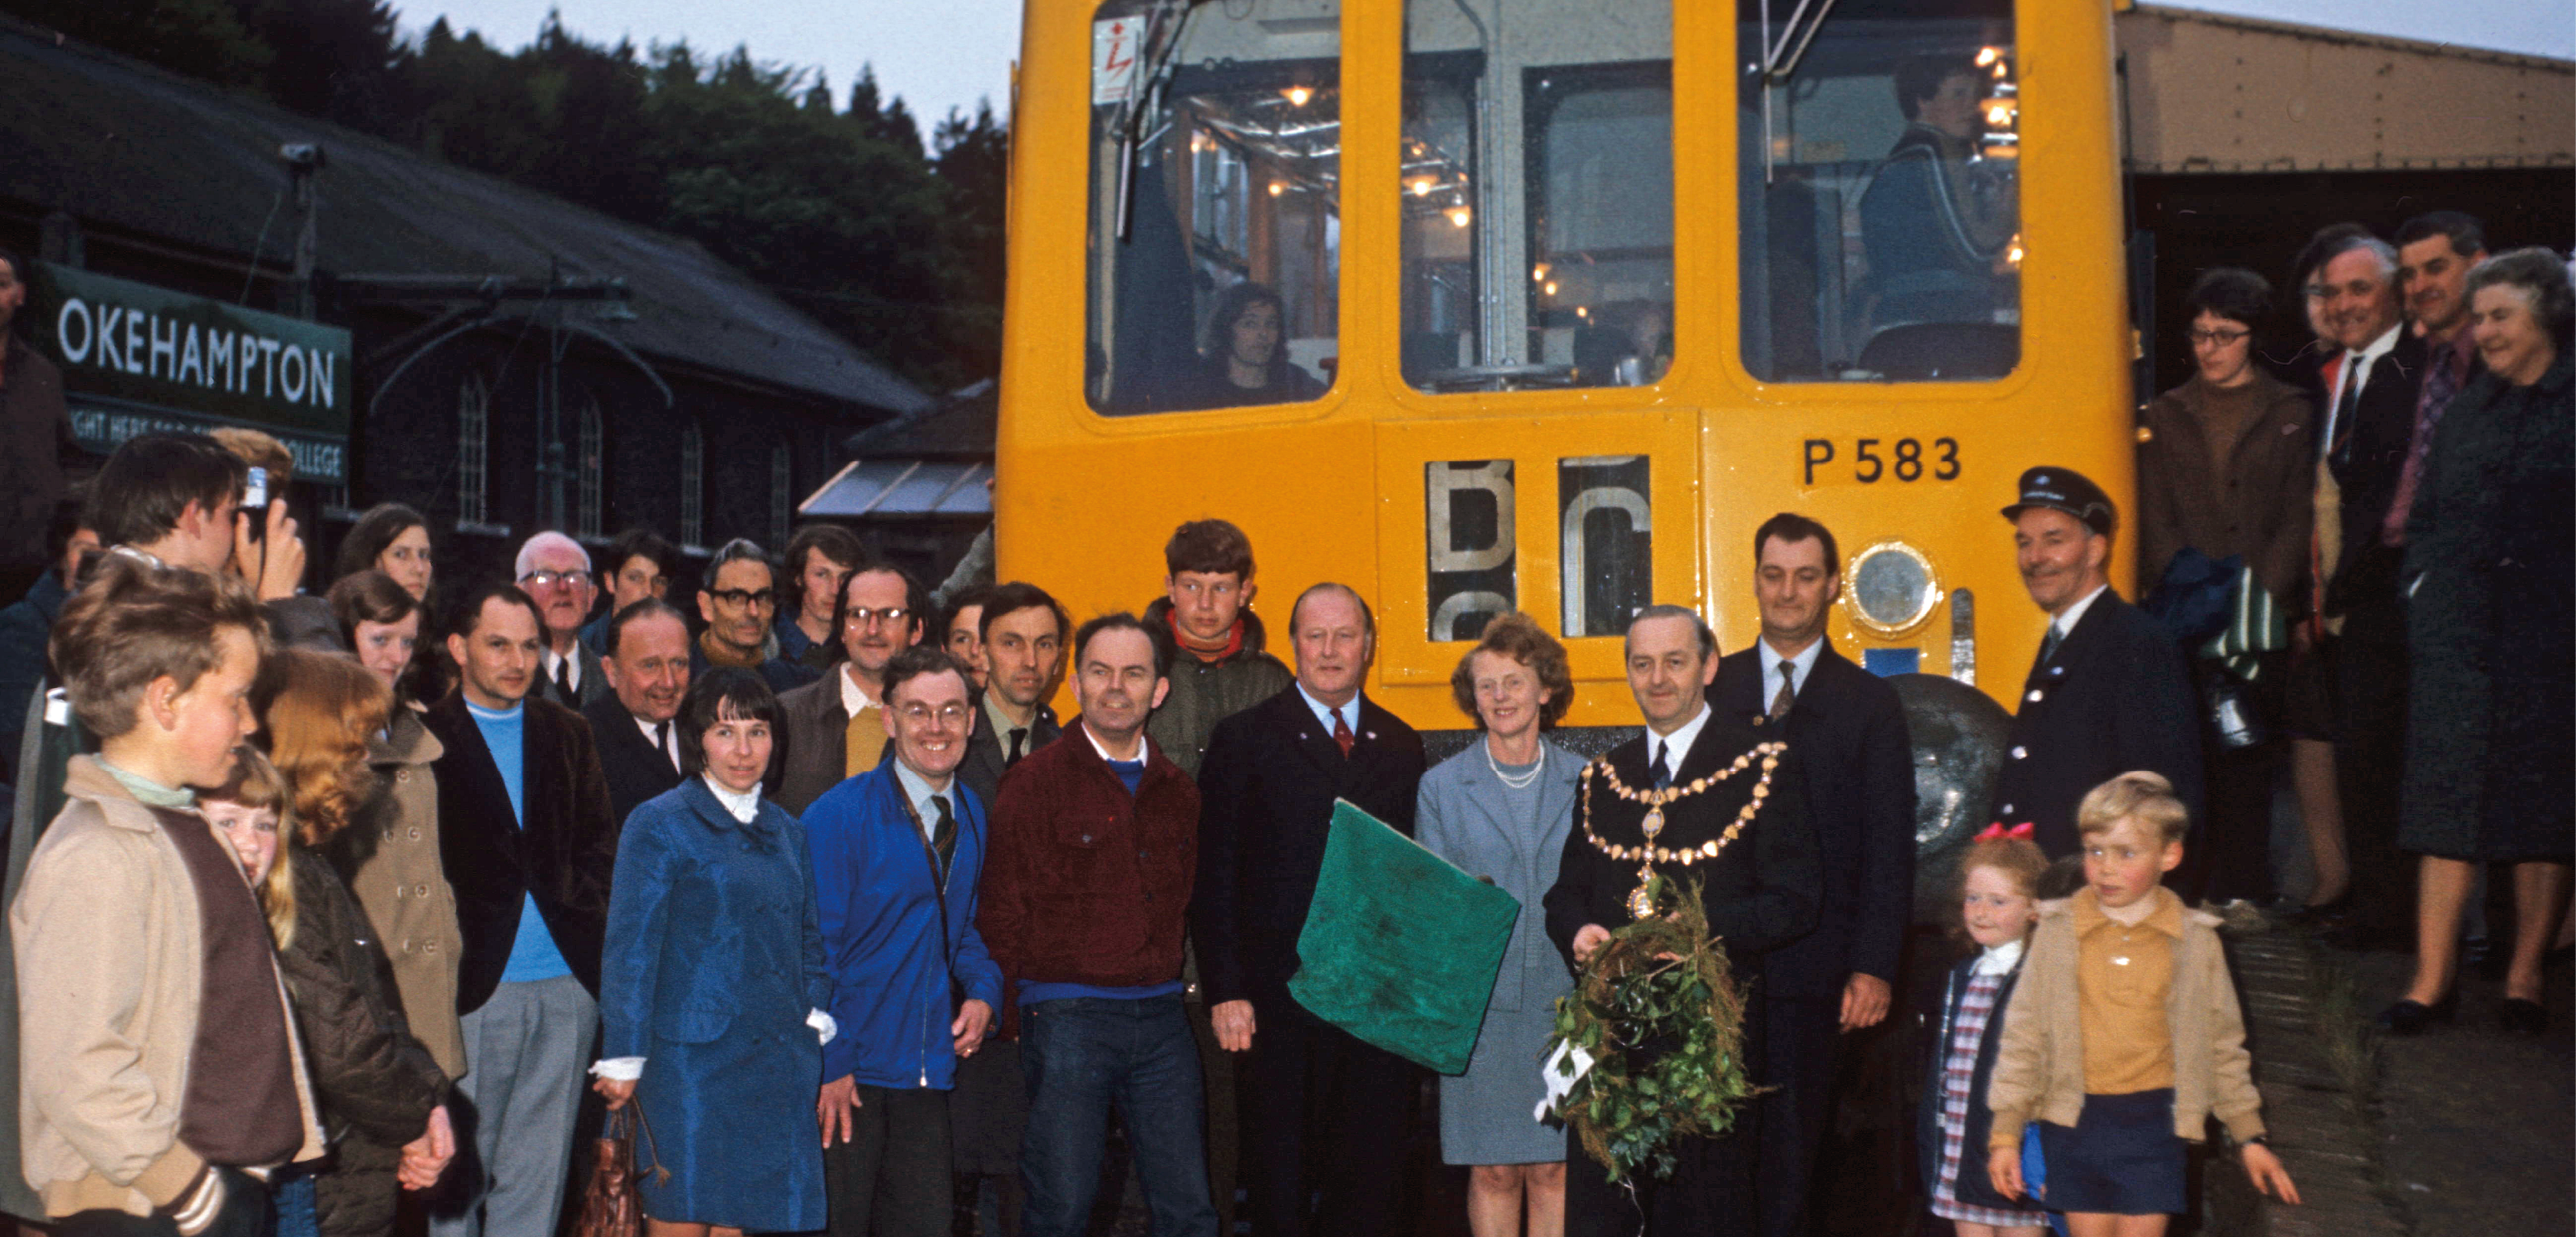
[(2355, 370), (854, 698), (555, 663), (1997, 959), (1144, 746), (1805, 663), (1677, 745), (1350, 711), (742, 807), (2065, 622), (671, 749)]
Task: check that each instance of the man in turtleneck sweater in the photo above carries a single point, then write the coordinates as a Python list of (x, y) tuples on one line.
[(1218, 666)]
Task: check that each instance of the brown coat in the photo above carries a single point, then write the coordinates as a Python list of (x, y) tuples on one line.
[(108, 946), (390, 857), (2262, 507), (2039, 1073), (35, 440)]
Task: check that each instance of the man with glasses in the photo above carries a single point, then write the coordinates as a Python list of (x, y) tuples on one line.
[(554, 571), (738, 598), (835, 729), (897, 851)]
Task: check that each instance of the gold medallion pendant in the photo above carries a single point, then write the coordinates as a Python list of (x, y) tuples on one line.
[(1641, 901)]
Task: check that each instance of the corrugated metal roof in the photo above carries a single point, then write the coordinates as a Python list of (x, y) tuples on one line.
[(116, 142), (903, 487)]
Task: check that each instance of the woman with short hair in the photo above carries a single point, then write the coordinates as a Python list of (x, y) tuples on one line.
[(712, 987), (1500, 810), (2490, 582), (2227, 466)]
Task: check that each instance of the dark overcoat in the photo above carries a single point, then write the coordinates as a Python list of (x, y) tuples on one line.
[(2491, 567), (2117, 697), (1266, 793), (565, 854), (634, 770)]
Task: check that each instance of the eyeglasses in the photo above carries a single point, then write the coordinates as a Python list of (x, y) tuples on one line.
[(948, 714), (549, 579), (739, 598), (891, 616), (2199, 336)]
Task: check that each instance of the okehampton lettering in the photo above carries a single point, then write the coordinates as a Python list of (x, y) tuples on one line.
[(131, 341)]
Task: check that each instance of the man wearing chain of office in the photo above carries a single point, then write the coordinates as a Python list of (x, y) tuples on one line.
[(1706, 799)]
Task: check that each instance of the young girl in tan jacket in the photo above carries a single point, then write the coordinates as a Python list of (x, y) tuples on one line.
[(2123, 1037)]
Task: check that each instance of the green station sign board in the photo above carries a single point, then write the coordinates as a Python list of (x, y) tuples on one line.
[(137, 358)]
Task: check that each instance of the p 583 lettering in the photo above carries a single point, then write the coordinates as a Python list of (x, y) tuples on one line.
[(1873, 460)]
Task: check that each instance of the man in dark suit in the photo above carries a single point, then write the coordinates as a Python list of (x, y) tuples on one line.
[(528, 843), (1320, 1107), (1022, 632), (2369, 427), (1760, 889), (554, 571), (2109, 692), (646, 659), (1848, 729)]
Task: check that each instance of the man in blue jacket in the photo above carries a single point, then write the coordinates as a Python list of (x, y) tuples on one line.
[(897, 851)]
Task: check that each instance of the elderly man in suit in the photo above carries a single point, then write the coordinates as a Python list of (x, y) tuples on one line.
[(1848, 729), (1267, 789), (2109, 691), (525, 834), (1760, 889), (647, 665), (554, 571)]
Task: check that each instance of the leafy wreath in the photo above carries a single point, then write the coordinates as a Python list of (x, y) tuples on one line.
[(1658, 1012)]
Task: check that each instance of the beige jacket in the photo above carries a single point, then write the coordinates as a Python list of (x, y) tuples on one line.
[(2039, 1070), (390, 854), (110, 962)]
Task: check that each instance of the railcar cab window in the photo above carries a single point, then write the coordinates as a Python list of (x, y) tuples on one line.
[(1880, 169), (1215, 206), (1536, 192)]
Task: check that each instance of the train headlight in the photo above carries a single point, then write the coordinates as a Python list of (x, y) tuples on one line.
[(1893, 589)]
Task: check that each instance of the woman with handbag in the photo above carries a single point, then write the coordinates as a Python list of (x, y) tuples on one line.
[(2225, 466), (712, 978)]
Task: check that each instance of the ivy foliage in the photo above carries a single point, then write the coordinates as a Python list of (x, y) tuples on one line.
[(1658, 1011)]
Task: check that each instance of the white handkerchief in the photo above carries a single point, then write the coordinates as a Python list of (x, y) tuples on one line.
[(1565, 1065), (823, 1024)]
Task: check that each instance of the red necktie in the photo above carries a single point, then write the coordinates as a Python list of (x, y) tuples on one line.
[(1342, 734)]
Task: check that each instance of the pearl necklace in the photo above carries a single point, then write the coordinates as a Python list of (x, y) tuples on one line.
[(1520, 781)]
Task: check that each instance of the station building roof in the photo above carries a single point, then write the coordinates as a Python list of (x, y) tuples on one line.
[(2208, 92), (123, 145)]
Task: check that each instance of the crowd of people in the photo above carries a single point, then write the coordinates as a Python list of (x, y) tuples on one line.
[(316, 901)]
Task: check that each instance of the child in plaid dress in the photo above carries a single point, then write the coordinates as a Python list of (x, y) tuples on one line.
[(1998, 879)]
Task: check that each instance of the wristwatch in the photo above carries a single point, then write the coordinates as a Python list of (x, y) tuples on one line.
[(2259, 1140)]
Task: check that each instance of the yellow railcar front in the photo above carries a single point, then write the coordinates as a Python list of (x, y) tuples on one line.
[(1547, 304)]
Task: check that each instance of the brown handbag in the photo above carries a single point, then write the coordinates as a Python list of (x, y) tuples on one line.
[(612, 1204)]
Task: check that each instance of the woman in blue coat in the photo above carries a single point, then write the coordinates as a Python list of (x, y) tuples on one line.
[(712, 987)]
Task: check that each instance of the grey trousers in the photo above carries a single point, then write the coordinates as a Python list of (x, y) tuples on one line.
[(525, 1051)]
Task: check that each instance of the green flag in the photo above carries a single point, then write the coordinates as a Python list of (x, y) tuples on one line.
[(1400, 947)]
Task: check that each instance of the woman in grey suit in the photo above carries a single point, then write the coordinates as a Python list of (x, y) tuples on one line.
[(1500, 811)]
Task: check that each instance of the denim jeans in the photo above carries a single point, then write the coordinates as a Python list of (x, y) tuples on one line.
[(293, 1198), (1084, 1056)]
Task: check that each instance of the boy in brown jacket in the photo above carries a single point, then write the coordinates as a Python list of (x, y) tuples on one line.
[(162, 1077), (2123, 1037)]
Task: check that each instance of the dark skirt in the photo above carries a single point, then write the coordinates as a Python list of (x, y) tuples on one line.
[(2120, 1158)]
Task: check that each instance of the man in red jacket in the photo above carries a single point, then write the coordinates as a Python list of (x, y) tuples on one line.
[(1095, 845)]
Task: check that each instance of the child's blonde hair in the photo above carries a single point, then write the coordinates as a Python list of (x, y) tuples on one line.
[(2144, 797), (255, 784)]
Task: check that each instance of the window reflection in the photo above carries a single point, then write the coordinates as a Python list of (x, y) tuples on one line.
[(1215, 207), (1536, 193), (1880, 227)]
